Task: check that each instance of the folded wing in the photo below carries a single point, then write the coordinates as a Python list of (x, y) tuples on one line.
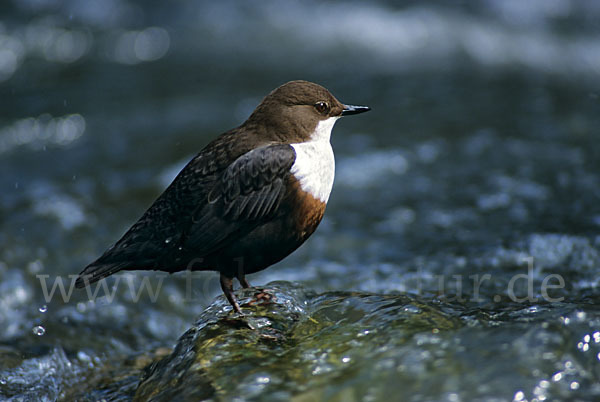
[(207, 206), (247, 193)]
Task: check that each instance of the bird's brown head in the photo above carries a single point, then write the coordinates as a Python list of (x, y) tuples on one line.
[(294, 110)]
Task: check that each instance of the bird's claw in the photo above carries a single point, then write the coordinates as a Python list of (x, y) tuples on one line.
[(262, 297)]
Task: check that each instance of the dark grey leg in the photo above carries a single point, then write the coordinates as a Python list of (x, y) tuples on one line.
[(227, 286), (244, 281)]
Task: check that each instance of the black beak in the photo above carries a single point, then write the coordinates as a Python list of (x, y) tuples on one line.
[(350, 109)]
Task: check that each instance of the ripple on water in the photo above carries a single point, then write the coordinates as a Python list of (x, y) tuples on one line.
[(41, 378)]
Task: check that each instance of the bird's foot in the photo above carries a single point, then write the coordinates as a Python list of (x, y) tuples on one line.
[(263, 296)]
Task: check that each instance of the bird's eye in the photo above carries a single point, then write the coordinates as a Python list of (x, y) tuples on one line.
[(322, 107)]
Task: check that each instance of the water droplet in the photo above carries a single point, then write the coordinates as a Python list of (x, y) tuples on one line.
[(39, 330), (364, 332), (84, 357), (409, 308), (168, 240), (43, 309)]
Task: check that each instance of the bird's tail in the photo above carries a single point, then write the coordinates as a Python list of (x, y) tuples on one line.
[(96, 271)]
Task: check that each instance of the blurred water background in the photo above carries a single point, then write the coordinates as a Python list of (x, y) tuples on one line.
[(458, 259)]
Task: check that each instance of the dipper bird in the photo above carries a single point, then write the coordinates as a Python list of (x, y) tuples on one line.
[(250, 198)]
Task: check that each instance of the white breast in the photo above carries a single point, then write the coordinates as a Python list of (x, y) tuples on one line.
[(314, 167)]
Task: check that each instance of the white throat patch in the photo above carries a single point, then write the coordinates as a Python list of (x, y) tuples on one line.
[(314, 167)]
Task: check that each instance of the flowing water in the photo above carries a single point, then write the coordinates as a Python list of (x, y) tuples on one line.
[(459, 256)]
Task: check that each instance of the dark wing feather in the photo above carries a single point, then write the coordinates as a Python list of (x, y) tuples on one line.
[(247, 193), (159, 231)]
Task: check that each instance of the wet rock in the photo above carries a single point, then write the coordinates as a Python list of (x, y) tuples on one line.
[(280, 347)]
